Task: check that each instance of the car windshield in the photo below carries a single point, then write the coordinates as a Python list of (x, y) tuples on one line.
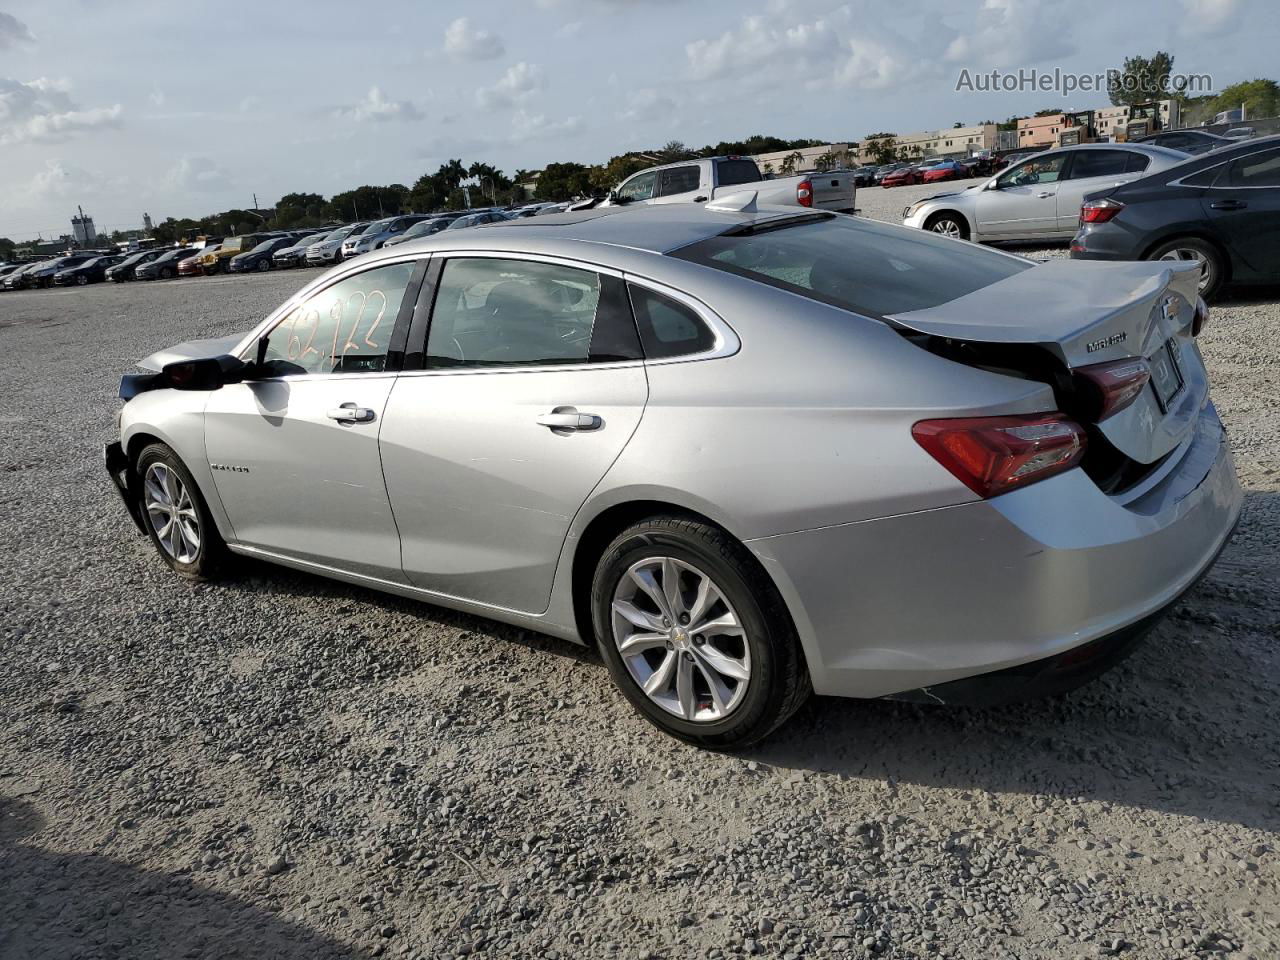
[(307, 241), (460, 223), (421, 228), (870, 268), (235, 243), (341, 233), (264, 246), (135, 258), (378, 227)]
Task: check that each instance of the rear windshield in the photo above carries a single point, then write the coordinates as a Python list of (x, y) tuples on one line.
[(870, 268), (729, 172)]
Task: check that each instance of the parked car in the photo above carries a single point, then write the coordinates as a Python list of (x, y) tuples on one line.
[(1239, 133), (945, 170), (699, 181), (476, 219), (42, 274), (864, 176), (93, 270), (21, 278), (295, 254), (126, 269), (190, 266), (1038, 198), (1220, 210), (1191, 142), (552, 208), (260, 257), (378, 233), (165, 266), (601, 492), (9, 268), (217, 259), (424, 228), (1017, 156), (980, 165), (329, 250), (903, 176), (884, 170)]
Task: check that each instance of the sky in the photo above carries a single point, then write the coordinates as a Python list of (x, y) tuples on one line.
[(193, 107)]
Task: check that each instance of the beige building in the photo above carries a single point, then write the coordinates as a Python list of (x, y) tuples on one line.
[(841, 155), (1039, 131), (1110, 121), (956, 142)]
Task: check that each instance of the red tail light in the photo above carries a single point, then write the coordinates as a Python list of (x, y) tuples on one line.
[(1201, 317), (1107, 388), (1099, 211), (804, 193), (993, 455)]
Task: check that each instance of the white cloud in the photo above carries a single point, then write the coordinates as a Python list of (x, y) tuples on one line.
[(466, 42), (831, 49), (1208, 16), (156, 97), (536, 126), (42, 111), (1013, 33), (249, 103), (515, 86), (649, 104), (198, 175), (57, 181), (375, 106), (13, 31)]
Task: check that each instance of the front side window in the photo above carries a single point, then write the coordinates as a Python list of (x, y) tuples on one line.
[(493, 312), (1256, 170), (344, 328), (678, 180), (860, 265), (1037, 170), (1099, 163), (639, 187)]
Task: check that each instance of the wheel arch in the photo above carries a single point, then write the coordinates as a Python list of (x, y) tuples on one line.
[(139, 437), (1193, 233), (953, 212)]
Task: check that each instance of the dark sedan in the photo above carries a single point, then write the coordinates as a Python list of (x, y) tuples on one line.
[(90, 271), (259, 258), (127, 268), (1221, 209), (163, 267)]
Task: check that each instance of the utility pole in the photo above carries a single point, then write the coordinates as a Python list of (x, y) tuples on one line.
[(255, 201), (381, 212)]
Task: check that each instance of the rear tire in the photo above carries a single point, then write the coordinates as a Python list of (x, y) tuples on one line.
[(177, 517), (748, 651), (1192, 248)]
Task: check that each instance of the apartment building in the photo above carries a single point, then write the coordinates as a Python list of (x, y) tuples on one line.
[(956, 142), (1039, 131)]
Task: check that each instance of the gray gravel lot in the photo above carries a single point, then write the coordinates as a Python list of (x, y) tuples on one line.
[(282, 766)]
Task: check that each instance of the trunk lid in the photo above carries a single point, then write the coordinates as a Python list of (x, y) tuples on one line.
[(1084, 312)]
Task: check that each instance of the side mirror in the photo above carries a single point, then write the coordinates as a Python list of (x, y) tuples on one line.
[(207, 373)]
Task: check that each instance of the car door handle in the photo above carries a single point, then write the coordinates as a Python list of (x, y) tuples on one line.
[(570, 421), (1228, 205), (1045, 195), (350, 413), (699, 199)]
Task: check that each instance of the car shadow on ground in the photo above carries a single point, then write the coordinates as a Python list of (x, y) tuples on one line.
[(56, 904)]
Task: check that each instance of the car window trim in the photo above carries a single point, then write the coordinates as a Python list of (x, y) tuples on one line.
[(306, 293), (1222, 163)]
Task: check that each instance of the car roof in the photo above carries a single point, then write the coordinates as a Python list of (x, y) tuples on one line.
[(659, 228)]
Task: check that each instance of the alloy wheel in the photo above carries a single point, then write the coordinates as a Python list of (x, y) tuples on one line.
[(1186, 254), (948, 228), (680, 639), (171, 512)]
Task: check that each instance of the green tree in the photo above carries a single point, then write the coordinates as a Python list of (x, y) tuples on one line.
[(300, 210), (6, 248), (1047, 112), (791, 162), (1261, 98), (883, 147), (368, 203), (564, 181), (1141, 79), (606, 176)]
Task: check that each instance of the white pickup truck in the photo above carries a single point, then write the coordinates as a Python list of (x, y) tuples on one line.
[(698, 181)]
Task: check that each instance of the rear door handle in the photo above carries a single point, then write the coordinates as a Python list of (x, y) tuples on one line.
[(1044, 196), (350, 413), (1228, 205), (570, 421)]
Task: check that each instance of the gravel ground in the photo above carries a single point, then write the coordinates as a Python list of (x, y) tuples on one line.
[(281, 766)]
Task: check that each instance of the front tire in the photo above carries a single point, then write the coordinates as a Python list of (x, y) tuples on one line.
[(177, 517), (949, 225), (1212, 265), (695, 634)]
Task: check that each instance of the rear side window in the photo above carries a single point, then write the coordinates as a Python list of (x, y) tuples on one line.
[(1099, 163), (1256, 170), (1205, 178), (678, 180), (668, 328), (730, 172), (870, 268), (1137, 163)]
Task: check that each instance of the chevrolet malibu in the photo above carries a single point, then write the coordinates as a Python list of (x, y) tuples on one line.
[(751, 453)]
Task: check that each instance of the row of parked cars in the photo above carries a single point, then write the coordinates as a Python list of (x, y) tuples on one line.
[(1131, 201), (250, 252)]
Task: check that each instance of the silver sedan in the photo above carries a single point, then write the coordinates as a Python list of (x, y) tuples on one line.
[(1037, 198), (749, 453)]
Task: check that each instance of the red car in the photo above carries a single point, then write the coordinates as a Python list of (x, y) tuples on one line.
[(901, 178), (947, 170), (190, 267)]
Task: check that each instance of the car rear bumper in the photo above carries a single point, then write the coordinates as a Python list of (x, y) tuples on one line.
[(892, 606)]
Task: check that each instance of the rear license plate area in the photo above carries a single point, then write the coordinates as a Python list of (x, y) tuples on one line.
[(1166, 375)]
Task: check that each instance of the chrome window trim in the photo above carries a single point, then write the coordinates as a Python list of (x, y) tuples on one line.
[(727, 342), (1223, 163)]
